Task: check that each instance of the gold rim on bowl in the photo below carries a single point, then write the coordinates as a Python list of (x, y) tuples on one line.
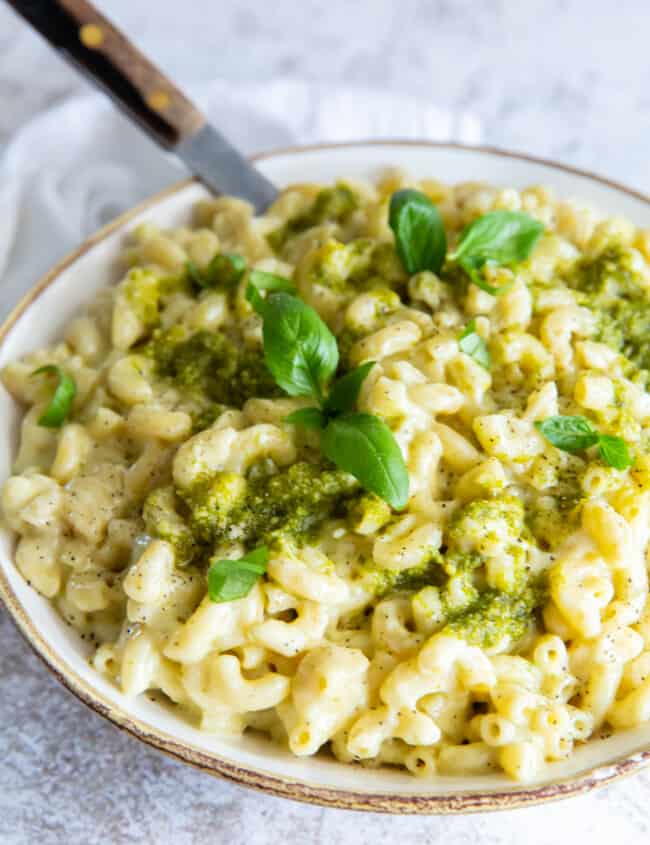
[(256, 778)]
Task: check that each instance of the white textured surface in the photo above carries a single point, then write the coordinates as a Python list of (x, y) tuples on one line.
[(565, 78), (80, 163)]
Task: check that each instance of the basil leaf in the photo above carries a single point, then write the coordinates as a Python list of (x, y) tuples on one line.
[(345, 392), (504, 238), (260, 280), (224, 270), (420, 237), (472, 344), (61, 403), (233, 579), (570, 434), (364, 446), (614, 451), (299, 349), (311, 418)]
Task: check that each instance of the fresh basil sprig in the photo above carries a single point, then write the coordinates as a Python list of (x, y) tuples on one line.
[(302, 355), (472, 344), (501, 238), (345, 392), (311, 418), (229, 580), (364, 446), (299, 349), (614, 451), (575, 433), (570, 434), (61, 402), (420, 238), (260, 281)]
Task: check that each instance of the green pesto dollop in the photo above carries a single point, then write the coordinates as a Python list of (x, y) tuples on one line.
[(144, 289), (551, 518), (438, 570), (384, 582), (469, 539), (448, 587), (349, 268), (439, 603), (497, 616), (368, 513), (484, 525), (483, 522), (213, 505), (141, 287), (254, 510), (211, 366), (609, 286), (163, 519), (331, 205)]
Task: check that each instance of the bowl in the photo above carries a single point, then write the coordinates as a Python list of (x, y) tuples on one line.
[(252, 760)]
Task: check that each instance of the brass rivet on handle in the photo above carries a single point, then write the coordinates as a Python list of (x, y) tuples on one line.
[(158, 100), (91, 35)]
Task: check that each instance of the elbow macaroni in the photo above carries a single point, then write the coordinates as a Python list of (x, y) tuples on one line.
[(421, 639)]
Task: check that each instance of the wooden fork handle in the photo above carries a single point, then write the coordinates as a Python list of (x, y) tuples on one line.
[(78, 31)]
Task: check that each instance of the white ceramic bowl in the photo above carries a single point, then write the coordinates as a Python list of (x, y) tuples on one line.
[(254, 761)]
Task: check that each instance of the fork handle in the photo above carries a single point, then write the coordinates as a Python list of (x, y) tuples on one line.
[(78, 31)]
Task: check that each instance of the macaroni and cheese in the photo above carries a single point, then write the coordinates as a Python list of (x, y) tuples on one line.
[(495, 621)]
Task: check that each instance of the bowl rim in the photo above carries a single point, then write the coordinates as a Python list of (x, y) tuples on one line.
[(209, 762)]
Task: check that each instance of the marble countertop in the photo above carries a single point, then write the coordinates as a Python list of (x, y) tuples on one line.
[(567, 79)]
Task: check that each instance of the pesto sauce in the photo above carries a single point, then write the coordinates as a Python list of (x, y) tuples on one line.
[(468, 533), (212, 366), (497, 615), (449, 585), (256, 509), (205, 414), (555, 515), (162, 519), (608, 285), (467, 526), (551, 524), (384, 582), (367, 513), (144, 289), (436, 571), (360, 265), (331, 204)]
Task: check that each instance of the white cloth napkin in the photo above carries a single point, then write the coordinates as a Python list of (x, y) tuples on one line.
[(76, 166)]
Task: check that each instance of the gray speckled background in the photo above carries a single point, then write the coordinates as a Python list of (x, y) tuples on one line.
[(564, 78)]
